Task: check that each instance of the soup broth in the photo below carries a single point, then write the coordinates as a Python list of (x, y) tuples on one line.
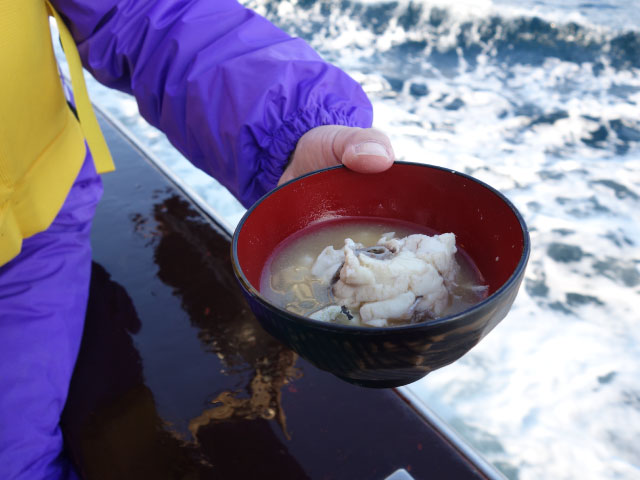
[(287, 280)]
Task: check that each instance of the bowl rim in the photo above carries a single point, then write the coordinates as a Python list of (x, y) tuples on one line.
[(255, 293)]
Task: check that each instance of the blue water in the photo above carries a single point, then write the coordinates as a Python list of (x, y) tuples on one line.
[(539, 99)]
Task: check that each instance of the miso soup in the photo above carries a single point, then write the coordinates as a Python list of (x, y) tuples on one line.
[(287, 279)]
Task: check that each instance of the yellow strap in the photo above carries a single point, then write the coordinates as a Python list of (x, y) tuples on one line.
[(88, 121)]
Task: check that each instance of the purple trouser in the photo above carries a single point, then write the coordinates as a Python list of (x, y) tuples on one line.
[(43, 297)]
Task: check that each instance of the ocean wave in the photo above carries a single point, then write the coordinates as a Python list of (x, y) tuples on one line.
[(439, 61), (448, 36)]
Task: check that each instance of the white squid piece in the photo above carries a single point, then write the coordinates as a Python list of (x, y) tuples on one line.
[(398, 279)]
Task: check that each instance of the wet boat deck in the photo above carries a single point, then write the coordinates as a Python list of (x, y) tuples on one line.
[(176, 379)]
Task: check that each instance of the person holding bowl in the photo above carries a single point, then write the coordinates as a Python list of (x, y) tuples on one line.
[(242, 100)]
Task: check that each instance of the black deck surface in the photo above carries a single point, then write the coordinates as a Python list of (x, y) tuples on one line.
[(177, 380)]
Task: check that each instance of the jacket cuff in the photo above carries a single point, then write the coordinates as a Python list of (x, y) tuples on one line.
[(276, 149)]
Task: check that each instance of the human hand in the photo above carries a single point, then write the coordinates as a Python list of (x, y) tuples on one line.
[(364, 150)]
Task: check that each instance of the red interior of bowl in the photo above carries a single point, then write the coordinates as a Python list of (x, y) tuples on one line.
[(485, 225)]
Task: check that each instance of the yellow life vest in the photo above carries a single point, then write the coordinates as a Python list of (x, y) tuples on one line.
[(41, 142)]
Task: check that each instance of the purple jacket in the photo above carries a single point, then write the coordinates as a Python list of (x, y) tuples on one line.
[(231, 91)]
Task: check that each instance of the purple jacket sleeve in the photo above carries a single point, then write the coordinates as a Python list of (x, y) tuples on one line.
[(231, 91)]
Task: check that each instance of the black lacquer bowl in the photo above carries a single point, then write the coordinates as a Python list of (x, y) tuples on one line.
[(487, 226)]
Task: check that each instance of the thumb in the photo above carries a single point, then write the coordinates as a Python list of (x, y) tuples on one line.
[(364, 150)]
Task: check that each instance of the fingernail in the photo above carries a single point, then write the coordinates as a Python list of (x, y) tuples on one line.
[(371, 148)]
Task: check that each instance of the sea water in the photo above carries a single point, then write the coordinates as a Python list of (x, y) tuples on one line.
[(540, 99)]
